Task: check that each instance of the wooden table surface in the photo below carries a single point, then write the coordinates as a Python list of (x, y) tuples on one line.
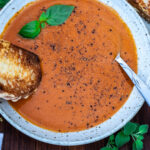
[(15, 140)]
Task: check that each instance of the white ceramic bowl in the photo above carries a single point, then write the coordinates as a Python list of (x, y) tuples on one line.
[(131, 107)]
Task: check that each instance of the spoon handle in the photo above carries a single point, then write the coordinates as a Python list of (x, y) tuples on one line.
[(140, 85), (1, 140)]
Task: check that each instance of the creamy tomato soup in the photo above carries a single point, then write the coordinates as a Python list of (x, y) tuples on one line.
[(82, 85)]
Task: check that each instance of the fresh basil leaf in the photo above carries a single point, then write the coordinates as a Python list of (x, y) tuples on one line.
[(43, 17), (115, 148), (134, 146), (111, 138), (58, 14), (43, 25), (143, 129), (106, 148), (137, 129), (129, 128), (30, 30), (140, 137), (139, 144), (3, 3), (52, 22), (121, 139)]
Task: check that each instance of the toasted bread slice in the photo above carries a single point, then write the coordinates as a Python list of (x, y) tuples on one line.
[(143, 7), (20, 72)]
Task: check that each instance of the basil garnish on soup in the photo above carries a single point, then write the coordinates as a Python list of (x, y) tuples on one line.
[(31, 29), (54, 16), (58, 14)]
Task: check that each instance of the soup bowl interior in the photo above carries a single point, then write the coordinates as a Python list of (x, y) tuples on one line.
[(126, 113)]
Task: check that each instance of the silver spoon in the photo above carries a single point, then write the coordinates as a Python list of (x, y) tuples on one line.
[(1, 140), (140, 85)]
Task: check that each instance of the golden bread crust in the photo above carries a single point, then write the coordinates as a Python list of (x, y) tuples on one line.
[(142, 7), (20, 71)]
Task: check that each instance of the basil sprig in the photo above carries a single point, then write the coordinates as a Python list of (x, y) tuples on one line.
[(54, 16), (131, 130)]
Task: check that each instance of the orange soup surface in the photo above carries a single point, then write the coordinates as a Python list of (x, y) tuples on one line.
[(82, 85)]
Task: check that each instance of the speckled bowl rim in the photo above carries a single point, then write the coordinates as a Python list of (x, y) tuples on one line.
[(107, 128)]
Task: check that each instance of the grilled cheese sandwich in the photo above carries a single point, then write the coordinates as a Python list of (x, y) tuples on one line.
[(20, 72)]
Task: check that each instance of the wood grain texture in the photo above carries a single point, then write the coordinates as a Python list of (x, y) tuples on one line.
[(15, 140)]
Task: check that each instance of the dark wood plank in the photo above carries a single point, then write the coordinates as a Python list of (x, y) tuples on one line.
[(15, 140)]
